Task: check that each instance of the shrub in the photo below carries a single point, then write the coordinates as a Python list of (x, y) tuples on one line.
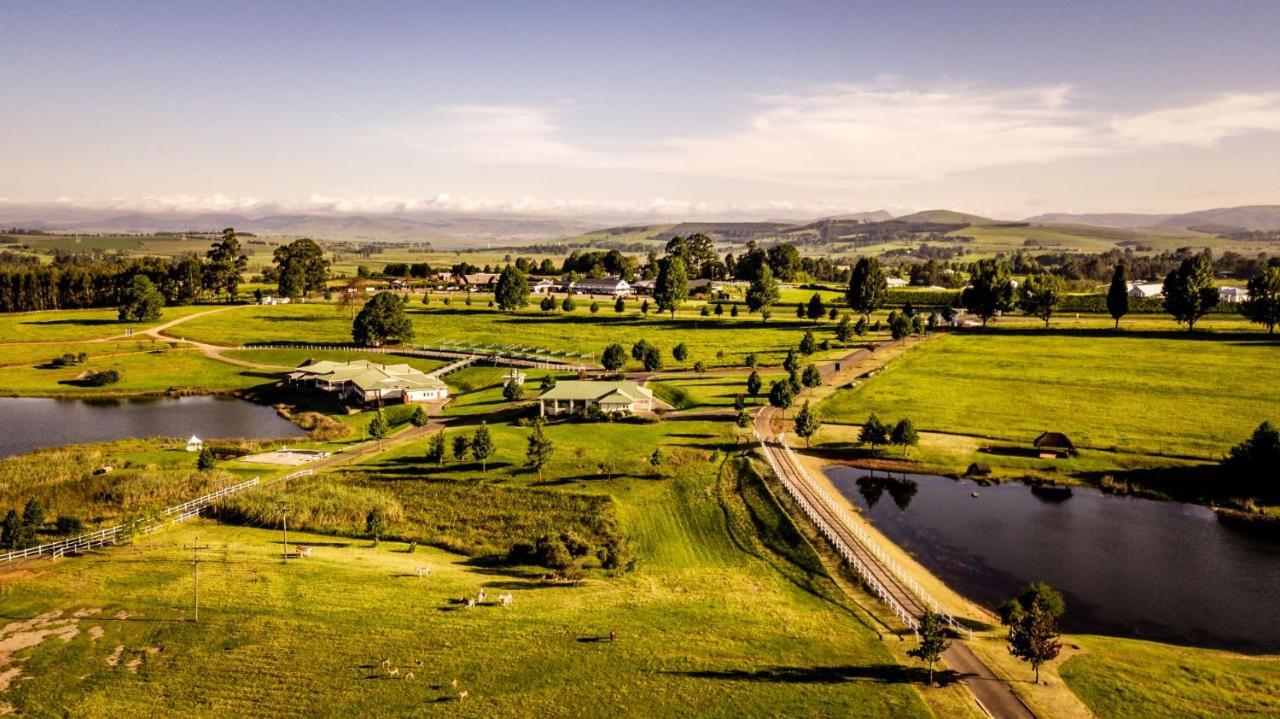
[(67, 524)]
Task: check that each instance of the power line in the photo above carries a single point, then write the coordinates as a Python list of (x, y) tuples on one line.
[(195, 566)]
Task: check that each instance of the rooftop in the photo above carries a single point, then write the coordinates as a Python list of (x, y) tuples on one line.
[(595, 390)]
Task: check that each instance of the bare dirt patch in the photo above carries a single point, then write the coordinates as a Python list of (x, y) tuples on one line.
[(16, 636)]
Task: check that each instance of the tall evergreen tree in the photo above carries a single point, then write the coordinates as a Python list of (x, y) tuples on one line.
[(816, 308), (1118, 294), (672, 286), (227, 264), (868, 288)]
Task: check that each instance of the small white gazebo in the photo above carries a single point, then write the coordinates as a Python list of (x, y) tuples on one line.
[(195, 444)]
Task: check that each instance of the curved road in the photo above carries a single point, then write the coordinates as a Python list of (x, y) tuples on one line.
[(994, 695)]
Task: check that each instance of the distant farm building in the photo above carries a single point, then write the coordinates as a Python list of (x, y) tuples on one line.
[(1233, 295), (269, 300), (1054, 444), (542, 285), (369, 383), (1145, 289), (480, 281), (195, 444), (613, 286), (569, 396)]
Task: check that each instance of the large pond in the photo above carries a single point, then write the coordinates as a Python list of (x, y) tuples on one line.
[(27, 423), (1134, 567)]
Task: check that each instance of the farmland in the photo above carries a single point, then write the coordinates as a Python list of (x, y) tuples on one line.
[(1159, 395)]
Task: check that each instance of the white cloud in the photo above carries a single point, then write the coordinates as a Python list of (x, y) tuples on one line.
[(1202, 125), (844, 137)]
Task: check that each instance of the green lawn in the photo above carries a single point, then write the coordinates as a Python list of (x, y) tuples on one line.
[(140, 373), (1150, 394), (578, 331), (73, 325), (1128, 679), (710, 621)]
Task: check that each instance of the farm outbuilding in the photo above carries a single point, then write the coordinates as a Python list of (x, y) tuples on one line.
[(571, 396), (371, 383), (1054, 444)]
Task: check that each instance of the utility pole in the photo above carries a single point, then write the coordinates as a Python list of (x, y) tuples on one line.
[(195, 566), (284, 528)]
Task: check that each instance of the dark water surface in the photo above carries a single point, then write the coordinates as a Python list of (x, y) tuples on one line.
[(1127, 566), (28, 423)]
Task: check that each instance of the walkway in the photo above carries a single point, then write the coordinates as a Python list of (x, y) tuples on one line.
[(898, 591)]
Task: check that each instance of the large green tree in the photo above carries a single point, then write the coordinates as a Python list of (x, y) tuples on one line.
[(1263, 305), (302, 268), (990, 289), (1032, 619), (226, 265), (1040, 296), (614, 357), (868, 289), (381, 320), (672, 286), (140, 301), (762, 293), (512, 292), (1189, 292), (1118, 294)]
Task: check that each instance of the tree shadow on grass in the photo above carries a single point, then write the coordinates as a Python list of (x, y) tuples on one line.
[(878, 673)]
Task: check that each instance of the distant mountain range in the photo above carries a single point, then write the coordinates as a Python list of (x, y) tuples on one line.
[(1248, 217), (475, 230), (451, 229)]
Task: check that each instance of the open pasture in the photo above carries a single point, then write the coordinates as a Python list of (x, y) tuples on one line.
[(1154, 394), (578, 331)]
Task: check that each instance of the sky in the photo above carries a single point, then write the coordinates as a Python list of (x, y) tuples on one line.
[(681, 110)]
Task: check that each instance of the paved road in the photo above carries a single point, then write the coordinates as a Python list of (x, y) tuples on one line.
[(994, 695)]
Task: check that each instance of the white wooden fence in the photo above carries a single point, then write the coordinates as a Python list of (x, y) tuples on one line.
[(146, 525)]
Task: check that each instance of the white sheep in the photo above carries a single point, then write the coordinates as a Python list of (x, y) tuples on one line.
[(504, 600)]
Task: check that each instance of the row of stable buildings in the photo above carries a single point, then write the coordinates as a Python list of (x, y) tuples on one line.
[(368, 383), (1227, 295)]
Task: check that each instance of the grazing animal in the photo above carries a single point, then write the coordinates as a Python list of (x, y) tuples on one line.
[(393, 672), (463, 694), (504, 600), (408, 676), (471, 603), (480, 597), (386, 664), (454, 683), (304, 552), (423, 571)]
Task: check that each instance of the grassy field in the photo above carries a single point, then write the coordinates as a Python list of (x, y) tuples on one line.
[(709, 622), (78, 325), (1128, 679), (579, 331), (1155, 395), (140, 373)]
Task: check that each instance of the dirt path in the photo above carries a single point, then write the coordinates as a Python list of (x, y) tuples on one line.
[(211, 351)]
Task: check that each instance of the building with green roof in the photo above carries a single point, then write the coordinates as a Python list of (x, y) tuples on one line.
[(570, 396)]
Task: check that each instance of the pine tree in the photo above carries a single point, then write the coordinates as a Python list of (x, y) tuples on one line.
[(873, 432), (754, 383), (904, 435), (461, 445), (436, 448), (811, 377), (1118, 294)]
